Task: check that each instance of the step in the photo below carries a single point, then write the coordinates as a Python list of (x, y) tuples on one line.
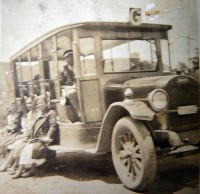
[(63, 149), (183, 151)]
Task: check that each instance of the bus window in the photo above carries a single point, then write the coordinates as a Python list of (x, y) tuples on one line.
[(47, 56), (19, 72), (64, 43), (25, 79), (129, 55), (22, 87), (48, 64), (36, 77), (35, 65), (23, 70), (87, 57)]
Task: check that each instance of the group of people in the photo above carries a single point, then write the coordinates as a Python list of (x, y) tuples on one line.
[(25, 138), (32, 126)]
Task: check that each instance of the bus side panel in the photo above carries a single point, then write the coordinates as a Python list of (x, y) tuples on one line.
[(78, 136), (91, 100)]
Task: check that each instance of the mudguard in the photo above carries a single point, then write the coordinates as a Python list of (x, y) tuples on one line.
[(138, 110)]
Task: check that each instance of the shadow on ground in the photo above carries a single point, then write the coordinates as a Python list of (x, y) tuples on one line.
[(81, 167), (176, 174), (173, 174)]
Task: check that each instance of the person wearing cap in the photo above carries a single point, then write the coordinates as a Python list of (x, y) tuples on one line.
[(68, 86), (43, 133), (67, 76)]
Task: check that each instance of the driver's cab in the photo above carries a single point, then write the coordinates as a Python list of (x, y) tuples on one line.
[(102, 52), (114, 51)]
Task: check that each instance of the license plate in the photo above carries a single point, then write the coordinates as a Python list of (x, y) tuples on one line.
[(184, 110)]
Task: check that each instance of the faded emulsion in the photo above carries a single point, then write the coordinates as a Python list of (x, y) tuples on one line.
[(102, 89)]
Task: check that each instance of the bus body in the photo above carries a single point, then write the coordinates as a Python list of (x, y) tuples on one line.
[(131, 103)]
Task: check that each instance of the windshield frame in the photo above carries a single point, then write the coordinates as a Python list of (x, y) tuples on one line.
[(126, 40)]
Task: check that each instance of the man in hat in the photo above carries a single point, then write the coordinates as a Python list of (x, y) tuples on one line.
[(67, 80), (67, 76)]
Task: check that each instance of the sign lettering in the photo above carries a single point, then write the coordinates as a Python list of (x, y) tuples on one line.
[(135, 16)]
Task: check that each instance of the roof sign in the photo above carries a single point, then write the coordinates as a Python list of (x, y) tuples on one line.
[(135, 16)]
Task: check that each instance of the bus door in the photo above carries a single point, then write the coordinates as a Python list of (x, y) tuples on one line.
[(88, 81)]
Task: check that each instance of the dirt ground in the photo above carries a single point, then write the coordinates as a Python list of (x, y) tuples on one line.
[(96, 175)]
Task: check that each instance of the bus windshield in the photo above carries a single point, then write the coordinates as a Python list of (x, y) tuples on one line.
[(129, 55)]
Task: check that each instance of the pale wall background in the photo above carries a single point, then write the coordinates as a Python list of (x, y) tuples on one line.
[(22, 21), (25, 20)]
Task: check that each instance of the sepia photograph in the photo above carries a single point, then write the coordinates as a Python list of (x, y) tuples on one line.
[(99, 96)]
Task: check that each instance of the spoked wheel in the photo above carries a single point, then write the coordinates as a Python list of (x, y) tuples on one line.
[(133, 154)]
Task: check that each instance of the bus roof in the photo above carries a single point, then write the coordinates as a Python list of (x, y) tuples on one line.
[(94, 26)]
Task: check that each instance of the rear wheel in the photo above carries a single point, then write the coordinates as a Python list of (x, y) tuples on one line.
[(133, 154)]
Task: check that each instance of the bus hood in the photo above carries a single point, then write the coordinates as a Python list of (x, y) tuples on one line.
[(174, 86)]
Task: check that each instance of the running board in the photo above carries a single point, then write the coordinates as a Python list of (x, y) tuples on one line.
[(182, 151), (179, 152), (61, 150)]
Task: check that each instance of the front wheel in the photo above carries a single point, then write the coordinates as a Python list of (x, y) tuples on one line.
[(133, 154)]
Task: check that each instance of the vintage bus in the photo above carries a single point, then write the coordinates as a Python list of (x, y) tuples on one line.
[(132, 105)]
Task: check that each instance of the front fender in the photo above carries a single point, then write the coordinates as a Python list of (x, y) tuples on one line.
[(138, 110)]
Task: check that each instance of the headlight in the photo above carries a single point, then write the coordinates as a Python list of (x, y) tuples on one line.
[(158, 99)]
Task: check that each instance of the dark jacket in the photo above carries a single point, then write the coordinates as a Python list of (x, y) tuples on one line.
[(67, 77), (15, 122), (45, 126)]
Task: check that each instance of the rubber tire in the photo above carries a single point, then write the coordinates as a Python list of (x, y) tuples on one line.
[(147, 153)]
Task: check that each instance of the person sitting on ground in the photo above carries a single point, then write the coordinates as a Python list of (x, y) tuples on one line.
[(3, 130), (67, 80), (43, 133), (18, 141), (13, 124)]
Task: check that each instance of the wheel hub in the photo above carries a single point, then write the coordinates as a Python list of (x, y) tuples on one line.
[(130, 154)]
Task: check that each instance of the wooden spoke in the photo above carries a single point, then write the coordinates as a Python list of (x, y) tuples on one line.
[(131, 155), (125, 160), (138, 163), (128, 164), (132, 170), (137, 170), (138, 155), (136, 148), (124, 153)]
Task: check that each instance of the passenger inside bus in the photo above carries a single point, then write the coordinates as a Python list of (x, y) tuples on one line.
[(36, 84), (68, 86)]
